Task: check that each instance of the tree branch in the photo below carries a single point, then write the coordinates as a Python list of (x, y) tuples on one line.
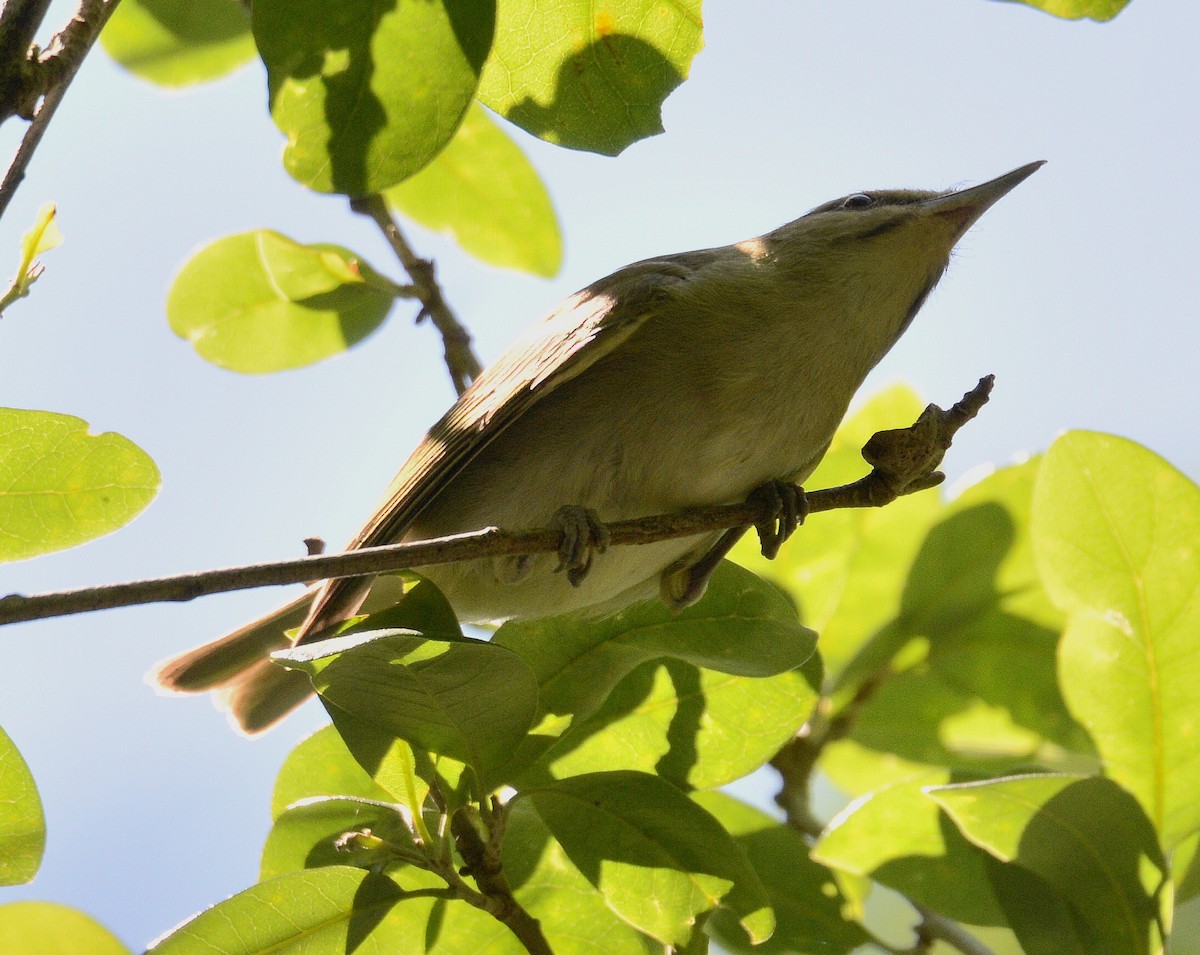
[(51, 75), (904, 462), (461, 362)]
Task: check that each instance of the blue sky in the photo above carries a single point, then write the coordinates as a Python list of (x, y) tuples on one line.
[(1078, 291)]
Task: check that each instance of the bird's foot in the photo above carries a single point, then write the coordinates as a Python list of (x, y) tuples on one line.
[(582, 537), (788, 506)]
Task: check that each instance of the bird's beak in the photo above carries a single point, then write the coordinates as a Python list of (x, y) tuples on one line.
[(963, 208)]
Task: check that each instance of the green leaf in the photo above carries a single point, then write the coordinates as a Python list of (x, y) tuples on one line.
[(587, 76), (898, 837), (340, 909), (1115, 529), (742, 626), (694, 727), (483, 192), (308, 835), (367, 94), (658, 858), (976, 639), (46, 928), (1078, 9), (1085, 837), (22, 822), (179, 42), (466, 699), (573, 915), (847, 569), (61, 486), (804, 895), (322, 766), (258, 302)]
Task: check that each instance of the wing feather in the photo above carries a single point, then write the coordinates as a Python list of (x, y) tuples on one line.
[(580, 332)]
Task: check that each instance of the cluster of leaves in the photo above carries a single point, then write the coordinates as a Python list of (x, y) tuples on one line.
[(1006, 685)]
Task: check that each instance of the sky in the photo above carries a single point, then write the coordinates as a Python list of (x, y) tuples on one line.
[(1078, 290)]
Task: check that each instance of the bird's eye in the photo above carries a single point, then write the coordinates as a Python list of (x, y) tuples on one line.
[(860, 200)]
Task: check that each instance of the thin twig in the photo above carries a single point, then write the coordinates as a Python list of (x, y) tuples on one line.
[(68, 50), (461, 362), (885, 482)]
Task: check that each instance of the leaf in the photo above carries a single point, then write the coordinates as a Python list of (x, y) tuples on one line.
[(46, 928), (694, 727), (259, 302), (573, 915), (322, 766), (43, 236), (22, 822), (742, 626), (587, 76), (307, 836), (1085, 837), (340, 909), (61, 486), (367, 94), (899, 837), (658, 859), (804, 895), (1116, 532), (483, 193), (1078, 9), (975, 639), (179, 42), (846, 569), (466, 699)]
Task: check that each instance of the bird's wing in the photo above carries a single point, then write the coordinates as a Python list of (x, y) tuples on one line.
[(581, 331)]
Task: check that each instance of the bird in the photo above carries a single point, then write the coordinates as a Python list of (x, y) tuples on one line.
[(681, 380)]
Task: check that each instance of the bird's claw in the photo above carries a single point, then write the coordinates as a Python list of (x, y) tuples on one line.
[(788, 508), (582, 537)]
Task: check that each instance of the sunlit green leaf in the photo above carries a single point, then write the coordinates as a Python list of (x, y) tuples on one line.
[(22, 823), (321, 766), (1085, 837), (61, 486), (178, 42), (341, 909), (656, 856), (698, 728), (367, 94), (809, 907), (587, 76), (899, 837), (1117, 533), (47, 928), (483, 192), (309, 834), (742, 626), (573, 915), (258, 302), (1078, 9)]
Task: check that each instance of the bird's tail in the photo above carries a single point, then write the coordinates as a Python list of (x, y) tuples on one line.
[(255, 692)]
